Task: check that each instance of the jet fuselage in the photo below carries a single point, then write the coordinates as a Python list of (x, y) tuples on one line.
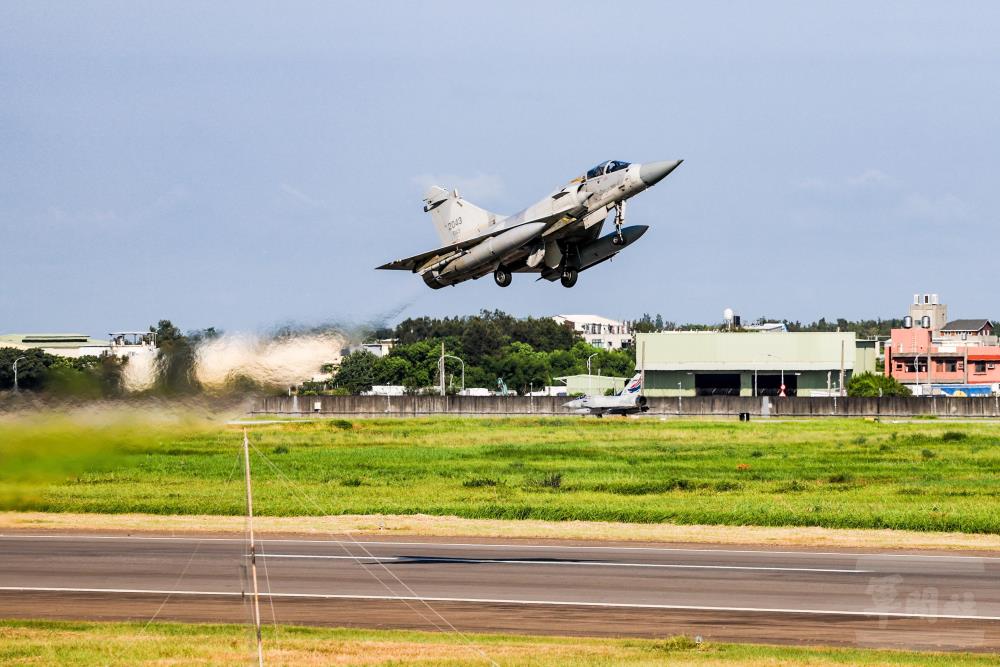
[(556, 237)]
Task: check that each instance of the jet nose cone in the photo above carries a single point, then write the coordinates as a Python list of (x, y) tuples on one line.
[(652, 173)]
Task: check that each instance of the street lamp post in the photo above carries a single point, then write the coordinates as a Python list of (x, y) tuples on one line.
[(679, 390), (15, 371), (459, 360), (590, 381)]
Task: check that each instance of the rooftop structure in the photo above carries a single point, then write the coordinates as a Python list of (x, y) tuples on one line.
[(976, 327), (59, 344), (928, 306), (599, 331), (767, 327)]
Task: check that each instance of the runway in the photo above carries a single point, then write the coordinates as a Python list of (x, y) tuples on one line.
[(913, 600)]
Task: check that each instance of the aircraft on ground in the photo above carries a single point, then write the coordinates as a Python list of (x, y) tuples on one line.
[(626, 402), (557, 237)]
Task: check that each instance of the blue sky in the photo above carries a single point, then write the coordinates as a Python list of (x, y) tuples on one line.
[(240, 164)]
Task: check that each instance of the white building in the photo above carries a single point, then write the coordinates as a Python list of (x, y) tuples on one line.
[(139, 348), (598, 331), (58, 344)]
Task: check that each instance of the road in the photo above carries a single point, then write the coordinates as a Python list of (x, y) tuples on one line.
[(912, 600)]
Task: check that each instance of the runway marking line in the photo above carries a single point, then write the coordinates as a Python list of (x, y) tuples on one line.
[(559, 603), (597, 563), (501, 546)]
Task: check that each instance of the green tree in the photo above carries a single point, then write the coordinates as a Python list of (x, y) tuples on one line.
[(522, 367), (32, 371), (357, 372), (644, 325), (86, 377), (175, 360), (870, 385), (482, 337), (391, 370), (543, 334)]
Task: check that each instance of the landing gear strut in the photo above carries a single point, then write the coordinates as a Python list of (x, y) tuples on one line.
[(568, 277), (502, 276), (619, 221)]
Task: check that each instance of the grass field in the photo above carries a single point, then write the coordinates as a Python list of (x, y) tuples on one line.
[(924, 475), (71, 643)]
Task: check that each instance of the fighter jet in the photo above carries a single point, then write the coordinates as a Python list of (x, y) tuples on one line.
[(628, 401), (556, 238)]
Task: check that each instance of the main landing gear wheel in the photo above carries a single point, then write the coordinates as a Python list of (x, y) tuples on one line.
[(568, 277), (619, 221), (502, 276)]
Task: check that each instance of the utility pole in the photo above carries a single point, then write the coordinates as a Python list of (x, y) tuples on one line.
[(253, 551), (965, 363), (930, 386), (441, 368), (841, 368), (590, 381), (458, 359)]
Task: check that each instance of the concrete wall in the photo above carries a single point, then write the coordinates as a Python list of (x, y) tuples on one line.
[(707, 406)]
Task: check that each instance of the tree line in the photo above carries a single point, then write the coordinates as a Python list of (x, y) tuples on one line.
[(89, 376), (523, 353)]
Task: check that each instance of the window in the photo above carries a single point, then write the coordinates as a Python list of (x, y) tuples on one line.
[(606, 168), (598, 170), (980, 367), (948, 366), (616, 165)]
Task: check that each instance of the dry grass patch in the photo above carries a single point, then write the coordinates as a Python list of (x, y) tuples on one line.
[(67, 643), (422, 525)]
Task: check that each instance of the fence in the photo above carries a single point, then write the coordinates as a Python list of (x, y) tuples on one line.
[(704, 406)]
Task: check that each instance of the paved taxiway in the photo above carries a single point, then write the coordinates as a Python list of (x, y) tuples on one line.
[(925, 600)]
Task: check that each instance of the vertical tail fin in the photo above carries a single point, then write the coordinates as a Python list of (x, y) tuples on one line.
[(633, 386), (456, 219)]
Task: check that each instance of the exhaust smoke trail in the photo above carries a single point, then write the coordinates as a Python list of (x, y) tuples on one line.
[(287, 355), (272, 362)]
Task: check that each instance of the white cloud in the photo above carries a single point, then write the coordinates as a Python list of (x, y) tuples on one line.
[(301, 197), (175, 196), (869, 179), (944, 208), (875, 192)]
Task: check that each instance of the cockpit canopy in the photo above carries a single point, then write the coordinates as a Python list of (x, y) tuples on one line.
[(606, 168)]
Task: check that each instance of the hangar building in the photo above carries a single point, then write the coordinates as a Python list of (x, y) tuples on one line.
[(721, 363)]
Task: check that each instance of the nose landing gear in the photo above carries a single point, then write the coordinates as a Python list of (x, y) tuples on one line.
[(502, 276)]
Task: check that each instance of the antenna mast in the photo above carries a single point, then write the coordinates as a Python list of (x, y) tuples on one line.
[(253, 551)]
